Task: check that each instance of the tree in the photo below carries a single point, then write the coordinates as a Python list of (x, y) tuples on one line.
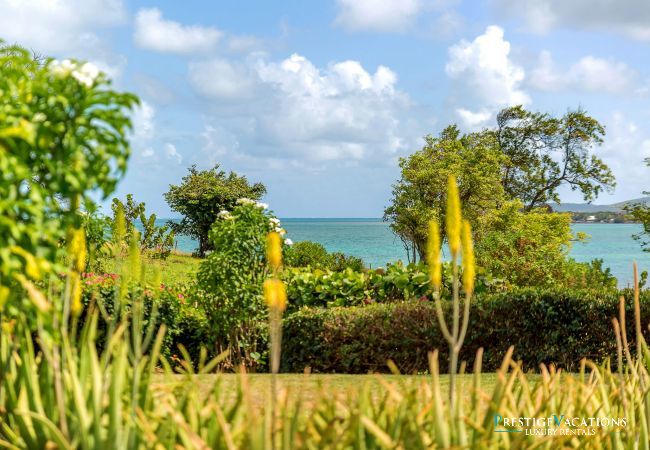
[(641, 213), (528, 157), (544, 153), (202, 195), (419, 196)]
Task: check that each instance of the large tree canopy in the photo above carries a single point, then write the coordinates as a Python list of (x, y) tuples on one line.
[(544, 153), (527, 158), (202, 195), (420, 194)]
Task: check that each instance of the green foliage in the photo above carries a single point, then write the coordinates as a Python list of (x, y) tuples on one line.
[(419, 196), (340, 261), (63, 134), (641, 213), (230, 281), (307, 254), (314, 255), (545, 326), (202, 195), (97, 229), (155, 241), (65, 394), (397, 282), (531, 140), (184, 320), (514, 162), (529, 248)]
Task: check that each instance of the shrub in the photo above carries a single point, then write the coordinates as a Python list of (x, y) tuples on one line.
[(340, 261), (155, 241), (171, 306), (314, 255), (307, 254), (320, 288), (63, 141), (544, 326), (230, 281)]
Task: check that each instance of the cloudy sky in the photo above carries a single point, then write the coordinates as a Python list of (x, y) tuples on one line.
[(319, 99)]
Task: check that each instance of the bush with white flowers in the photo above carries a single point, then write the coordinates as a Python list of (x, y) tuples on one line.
[(230, 280)]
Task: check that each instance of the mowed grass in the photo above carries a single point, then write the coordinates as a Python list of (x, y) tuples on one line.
[(310, 387), (177, 268)]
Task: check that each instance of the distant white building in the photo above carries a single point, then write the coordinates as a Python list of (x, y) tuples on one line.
[(591, 218)]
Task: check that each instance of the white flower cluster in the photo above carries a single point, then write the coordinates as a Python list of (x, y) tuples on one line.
[(224, 215), (248, 201), (277, 227), (85, 73)]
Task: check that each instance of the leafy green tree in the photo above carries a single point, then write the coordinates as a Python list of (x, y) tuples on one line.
[(544, 153), (202, 195), (641, 213), (531, 248), (63, 135), (419, 196), (536, 243)]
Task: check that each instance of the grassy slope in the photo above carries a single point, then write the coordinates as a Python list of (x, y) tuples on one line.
[(179, 267)]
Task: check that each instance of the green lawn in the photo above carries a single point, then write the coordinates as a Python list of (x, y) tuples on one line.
[(177, 268), (309, 387)]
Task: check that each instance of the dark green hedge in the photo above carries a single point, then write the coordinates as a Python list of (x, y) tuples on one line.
[(545, 327)]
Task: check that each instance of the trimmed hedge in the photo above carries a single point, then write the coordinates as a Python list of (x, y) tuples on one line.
[(544, 326)]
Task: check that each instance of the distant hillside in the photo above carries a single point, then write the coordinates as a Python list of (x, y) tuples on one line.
[(593, 208), (643, 200)]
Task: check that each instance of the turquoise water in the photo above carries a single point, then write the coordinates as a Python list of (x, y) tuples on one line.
[(372, 240)]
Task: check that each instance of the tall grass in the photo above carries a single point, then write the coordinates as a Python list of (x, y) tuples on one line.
[(57, 390)]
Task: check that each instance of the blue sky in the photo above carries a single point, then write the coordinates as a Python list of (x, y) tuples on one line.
[(319, 99)]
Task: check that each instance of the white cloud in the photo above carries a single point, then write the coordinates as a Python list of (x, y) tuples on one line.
[(485, 76), (144, 129), (143, 122), (589, 73), (61, 27), (475, 119), (172, 153), (383, 15), (217, 142), (153, 32), (626, 146), (223, 79), (630, 18), (294, 110)]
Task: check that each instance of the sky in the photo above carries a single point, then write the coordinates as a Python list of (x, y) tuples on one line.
[(319, 100)]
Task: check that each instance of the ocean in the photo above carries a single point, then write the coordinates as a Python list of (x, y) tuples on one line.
[(372, 240)]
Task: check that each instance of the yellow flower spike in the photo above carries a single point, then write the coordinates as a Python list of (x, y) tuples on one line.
[(4, 295), (75, 298), (469, 268), (453, 216), (119, 225), (274, 250), (78, 250), (31, 268), (433, 255), (275, 294)]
